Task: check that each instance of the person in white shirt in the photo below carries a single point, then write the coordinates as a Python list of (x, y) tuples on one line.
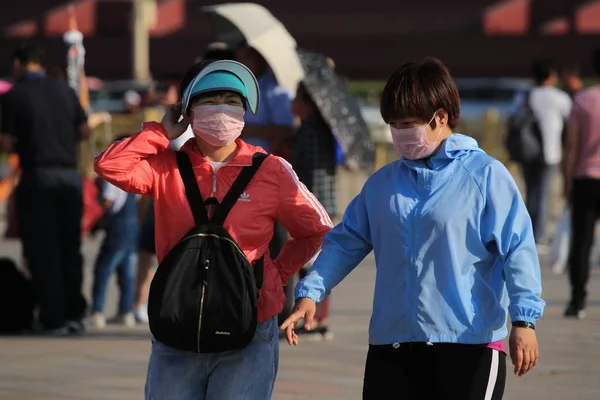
[(551, 107)]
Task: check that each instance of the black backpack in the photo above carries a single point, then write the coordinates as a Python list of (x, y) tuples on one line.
[(524, 138), (203, 297)]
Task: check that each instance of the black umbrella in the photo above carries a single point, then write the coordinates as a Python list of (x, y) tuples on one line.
[(339, 108)]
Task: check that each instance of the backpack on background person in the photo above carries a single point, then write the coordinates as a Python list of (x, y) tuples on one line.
[(524, 137)]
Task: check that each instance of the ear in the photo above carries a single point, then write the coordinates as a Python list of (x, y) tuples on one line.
[(442, 117)]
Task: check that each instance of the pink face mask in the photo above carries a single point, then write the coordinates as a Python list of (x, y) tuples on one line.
[(218, 124), (412, 143)]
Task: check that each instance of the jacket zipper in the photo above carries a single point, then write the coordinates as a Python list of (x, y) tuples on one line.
[(413, 312), (413, 266), (206, 265), (214, 186), (413, 269), (214, 180)]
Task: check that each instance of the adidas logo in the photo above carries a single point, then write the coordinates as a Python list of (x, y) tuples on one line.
[(244, 197)]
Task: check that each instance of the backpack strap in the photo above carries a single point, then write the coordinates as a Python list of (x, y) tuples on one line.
[(237, 188), (191, 188)]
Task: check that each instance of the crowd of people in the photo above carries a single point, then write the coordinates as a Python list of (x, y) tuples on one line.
[(236, 192)]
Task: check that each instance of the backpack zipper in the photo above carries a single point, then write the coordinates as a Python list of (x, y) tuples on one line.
[(206, 265), (216, 236)]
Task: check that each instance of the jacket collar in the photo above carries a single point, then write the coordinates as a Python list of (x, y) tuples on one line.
[(243, 155), (453, 147)]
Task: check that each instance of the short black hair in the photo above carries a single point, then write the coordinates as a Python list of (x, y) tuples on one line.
[(418, 90), (596, 61), (302, 93), (219, 54), (542, 69), (29, 54), (304, 96)]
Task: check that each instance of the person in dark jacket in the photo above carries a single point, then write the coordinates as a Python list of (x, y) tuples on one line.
[(42, 118)]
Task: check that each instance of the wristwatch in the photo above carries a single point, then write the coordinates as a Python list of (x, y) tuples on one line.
[(523, 324)]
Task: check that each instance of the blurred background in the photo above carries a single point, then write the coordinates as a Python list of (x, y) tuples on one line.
[(125, 58), (144, 45)]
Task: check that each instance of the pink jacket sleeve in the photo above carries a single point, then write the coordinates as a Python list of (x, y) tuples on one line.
[(305, 219), (130, 164)]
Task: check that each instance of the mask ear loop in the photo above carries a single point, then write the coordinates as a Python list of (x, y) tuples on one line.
[(441, 127), (432, 118)]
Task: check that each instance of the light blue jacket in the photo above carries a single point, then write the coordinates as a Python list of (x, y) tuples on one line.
[(453, 245)]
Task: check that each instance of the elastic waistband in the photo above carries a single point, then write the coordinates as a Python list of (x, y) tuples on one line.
[(406, 345)]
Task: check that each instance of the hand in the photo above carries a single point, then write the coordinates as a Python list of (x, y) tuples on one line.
[(170, 121), (305, 308), (524, 350)]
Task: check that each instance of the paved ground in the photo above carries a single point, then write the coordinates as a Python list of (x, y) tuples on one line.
[(111, 364)]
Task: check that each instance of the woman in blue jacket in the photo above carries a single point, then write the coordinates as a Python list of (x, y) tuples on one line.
[(454, 251)]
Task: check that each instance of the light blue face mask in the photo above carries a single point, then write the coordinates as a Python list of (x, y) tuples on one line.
[(224, 75)]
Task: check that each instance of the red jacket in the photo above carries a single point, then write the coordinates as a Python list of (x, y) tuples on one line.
[(144, 164)]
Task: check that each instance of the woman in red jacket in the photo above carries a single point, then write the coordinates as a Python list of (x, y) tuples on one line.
[(145, 164)]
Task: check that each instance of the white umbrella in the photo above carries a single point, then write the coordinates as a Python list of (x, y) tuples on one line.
[(234, 22)]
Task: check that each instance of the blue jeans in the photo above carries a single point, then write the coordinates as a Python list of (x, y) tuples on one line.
[(109, 260), (246, 374)]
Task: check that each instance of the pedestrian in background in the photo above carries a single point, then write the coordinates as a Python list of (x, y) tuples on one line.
[(582, 187), (313, 157), (44, 120), (551, 107), (117, 254)]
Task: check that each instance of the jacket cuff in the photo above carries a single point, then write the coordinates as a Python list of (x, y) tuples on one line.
[(524, 318), (311, 294)]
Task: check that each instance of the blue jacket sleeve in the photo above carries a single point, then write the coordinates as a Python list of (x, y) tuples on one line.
[(506, 223), (344, 247)]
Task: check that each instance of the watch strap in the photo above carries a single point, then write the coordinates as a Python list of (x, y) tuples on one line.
[(523, 324)]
